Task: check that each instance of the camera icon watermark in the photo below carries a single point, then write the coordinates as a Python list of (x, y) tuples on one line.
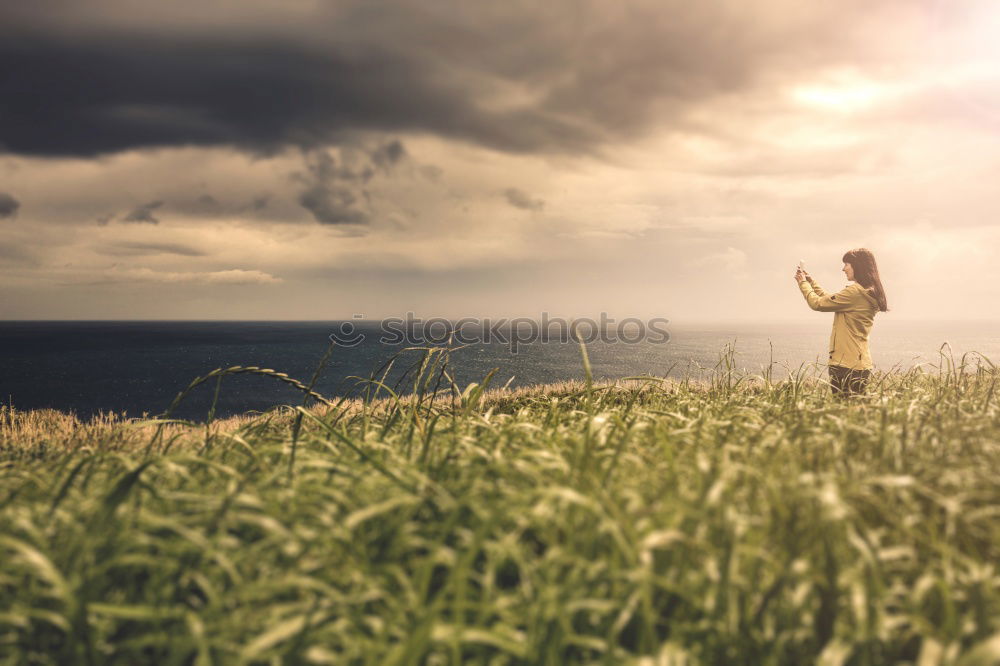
[(514, 333)]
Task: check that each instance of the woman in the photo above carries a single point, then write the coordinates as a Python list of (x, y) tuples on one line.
[(854, 306)]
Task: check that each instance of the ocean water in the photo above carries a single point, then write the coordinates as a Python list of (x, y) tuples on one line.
[(139, 367)]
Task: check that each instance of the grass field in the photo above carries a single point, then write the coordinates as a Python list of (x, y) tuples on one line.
[(736, 521)]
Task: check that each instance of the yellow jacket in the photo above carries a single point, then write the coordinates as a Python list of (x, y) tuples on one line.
[(854, 309)]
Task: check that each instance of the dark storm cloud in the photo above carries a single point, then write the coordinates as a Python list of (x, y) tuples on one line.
[(8, 205), (332, 204), (334, 190), (143, 213), (520, 199), (260, 97), (387, 155), (82, 79), (331, 191), (131, 249)]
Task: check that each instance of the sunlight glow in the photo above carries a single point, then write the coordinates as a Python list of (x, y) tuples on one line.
[(841, 98)]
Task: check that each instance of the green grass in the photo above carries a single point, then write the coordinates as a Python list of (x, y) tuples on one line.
[(738, 520)]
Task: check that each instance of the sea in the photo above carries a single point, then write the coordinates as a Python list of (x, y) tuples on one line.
[(137, 368)]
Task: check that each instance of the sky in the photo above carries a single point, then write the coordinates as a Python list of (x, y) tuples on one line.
[(307, 159)]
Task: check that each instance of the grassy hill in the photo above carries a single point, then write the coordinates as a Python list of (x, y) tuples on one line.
[(737, 520)]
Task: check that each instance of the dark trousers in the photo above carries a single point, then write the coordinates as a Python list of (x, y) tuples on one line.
[(845, 382)]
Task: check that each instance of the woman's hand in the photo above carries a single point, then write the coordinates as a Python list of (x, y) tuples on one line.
[(800, 275)]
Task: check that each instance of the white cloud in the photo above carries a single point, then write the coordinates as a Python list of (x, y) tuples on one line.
[(732, 260), (231, 276)]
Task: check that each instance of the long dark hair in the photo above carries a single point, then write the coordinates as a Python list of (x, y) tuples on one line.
[(866, 274)]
